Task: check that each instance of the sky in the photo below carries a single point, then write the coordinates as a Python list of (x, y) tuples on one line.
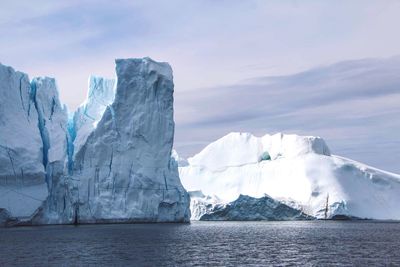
[(325, 68)]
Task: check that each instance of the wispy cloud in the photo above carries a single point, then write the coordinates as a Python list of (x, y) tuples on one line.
[(208, 43), (354, 105), (214, 43)]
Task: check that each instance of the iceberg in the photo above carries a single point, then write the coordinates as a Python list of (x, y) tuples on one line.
[(124, 171), (299, 171), (101, 94), (108, 162), (23, 185)]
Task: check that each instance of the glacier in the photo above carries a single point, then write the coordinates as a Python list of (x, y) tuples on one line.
[(110, 161), (299, 171)]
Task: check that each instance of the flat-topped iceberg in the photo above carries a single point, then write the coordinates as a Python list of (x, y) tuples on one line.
[(297, 170)]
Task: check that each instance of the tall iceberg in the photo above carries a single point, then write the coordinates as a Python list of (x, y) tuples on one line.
[(109, 162), (101, 94), (124, 171), (22, 173), (32, 141)]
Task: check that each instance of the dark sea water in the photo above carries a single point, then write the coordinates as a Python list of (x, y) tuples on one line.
[(315, 243)]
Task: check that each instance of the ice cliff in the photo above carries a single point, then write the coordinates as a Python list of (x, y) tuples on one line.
[(108, 162), (24, 156), (124, 170), (100, 95), (297, 170)]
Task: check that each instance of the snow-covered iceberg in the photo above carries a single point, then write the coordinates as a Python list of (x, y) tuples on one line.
[(109, 162), (297, 170)]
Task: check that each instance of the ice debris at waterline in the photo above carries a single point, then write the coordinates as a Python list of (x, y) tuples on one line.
[(108, 162), (299, 171)]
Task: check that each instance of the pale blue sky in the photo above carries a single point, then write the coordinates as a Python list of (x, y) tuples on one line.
[(220, 45)]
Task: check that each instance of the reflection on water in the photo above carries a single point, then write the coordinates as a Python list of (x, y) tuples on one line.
[(204, 243)]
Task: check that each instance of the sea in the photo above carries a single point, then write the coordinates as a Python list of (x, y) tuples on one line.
[(294, 243)]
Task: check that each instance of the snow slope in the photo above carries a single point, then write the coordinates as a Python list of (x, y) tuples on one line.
[(292, 168)]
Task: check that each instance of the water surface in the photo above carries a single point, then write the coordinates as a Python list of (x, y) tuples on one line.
[(204, 243)]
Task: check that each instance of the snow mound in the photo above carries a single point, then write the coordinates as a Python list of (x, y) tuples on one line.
[(299, 169), (237, 149)]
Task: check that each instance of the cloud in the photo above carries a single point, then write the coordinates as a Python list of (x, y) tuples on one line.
[(354, 105), (208, 43), (244, 44)]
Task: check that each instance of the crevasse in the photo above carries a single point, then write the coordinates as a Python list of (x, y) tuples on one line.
[(71, 135), (42, 128)]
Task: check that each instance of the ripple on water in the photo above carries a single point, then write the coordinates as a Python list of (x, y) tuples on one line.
[(205, 243)]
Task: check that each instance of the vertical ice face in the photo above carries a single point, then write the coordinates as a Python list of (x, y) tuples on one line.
[(52, 124), (124, 169), (110, 162), (101, 93), (60, 206), (22, 172)]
